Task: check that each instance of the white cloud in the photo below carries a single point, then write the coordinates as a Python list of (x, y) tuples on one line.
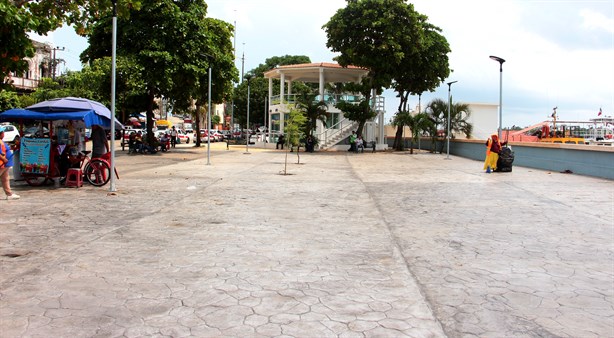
[(597, 21), (557, 52)]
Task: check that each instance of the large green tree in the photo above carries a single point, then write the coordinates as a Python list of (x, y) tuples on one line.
[(372, 34), (173, 44), (394, 42), (94, 82), (20, 17), (423, 68)]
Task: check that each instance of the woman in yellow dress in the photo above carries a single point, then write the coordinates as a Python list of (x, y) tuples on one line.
[(493, 148)]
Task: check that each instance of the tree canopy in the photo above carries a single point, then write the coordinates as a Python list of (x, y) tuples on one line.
[(274, 61), (173, 45), (20, 17), (377, 35), (396, 43)]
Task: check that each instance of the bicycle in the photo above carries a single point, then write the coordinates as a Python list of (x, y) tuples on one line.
[(97, 171)]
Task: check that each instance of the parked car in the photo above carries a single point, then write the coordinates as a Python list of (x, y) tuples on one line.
[(219, 137), (226, 133), (159, 133), (129, 131), (36, 131), (182, 137), (204, 136), (11, 134)]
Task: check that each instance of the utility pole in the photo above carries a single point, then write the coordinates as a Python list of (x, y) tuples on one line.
[(53, 64)]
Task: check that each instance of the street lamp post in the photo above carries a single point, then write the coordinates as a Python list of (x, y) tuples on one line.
[(449, 104), (209, 118), (112, 187), (247, 77), (500, 60), (209, 58)]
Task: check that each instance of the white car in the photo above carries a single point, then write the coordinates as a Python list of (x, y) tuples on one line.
[(11, 134), (217, 135), (182, 137)]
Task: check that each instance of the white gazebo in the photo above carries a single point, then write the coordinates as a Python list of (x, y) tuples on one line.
[(337, 128)]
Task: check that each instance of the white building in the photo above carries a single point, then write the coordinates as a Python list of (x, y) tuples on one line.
[(39, 67), (485, 120)]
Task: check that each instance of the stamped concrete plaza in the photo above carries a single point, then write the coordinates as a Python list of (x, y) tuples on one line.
[(347, 245)]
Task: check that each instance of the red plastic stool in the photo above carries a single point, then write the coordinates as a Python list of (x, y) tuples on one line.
[(74, 178)]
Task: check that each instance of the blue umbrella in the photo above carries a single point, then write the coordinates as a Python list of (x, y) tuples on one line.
[(64, 104)]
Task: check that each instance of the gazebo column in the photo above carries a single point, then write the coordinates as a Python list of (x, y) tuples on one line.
[(282, 101), (270, 104), (319, 124)]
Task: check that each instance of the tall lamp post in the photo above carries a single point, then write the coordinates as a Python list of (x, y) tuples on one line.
[(112, 187), (247, 77), (209, 58), (449, 104), (209, 117), (500, 60)]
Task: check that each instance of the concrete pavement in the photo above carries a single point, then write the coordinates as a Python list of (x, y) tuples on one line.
[(347, 245)]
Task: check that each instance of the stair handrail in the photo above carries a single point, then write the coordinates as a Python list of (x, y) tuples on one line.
[(336, 131)]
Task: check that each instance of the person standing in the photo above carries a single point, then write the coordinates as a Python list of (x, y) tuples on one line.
[(100, 144), (280, 141), (493, 148), (6, 163), (309, 144), (353, 141), (173, 137)]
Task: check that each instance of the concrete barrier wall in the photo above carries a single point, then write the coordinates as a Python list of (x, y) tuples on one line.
[(586, 160)]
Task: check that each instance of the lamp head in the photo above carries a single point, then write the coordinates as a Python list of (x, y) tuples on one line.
[(450, 83), (248, 76), (498, 59)]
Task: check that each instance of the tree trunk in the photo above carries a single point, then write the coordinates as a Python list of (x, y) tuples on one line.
[(398, 139), (150, 117), (197, 123), (361, 125)]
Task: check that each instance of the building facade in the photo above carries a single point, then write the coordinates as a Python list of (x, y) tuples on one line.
[(40, 66)]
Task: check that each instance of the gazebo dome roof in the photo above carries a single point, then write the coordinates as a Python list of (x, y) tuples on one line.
[(310, 72)]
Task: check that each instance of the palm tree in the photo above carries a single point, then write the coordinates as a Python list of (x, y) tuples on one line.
[(417, 123), (437, 110), (314, 111), (400, 120)]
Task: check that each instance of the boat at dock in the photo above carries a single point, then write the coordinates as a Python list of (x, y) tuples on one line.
[(597, 131)]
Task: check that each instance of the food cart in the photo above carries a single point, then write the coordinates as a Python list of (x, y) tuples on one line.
[(39, 154)]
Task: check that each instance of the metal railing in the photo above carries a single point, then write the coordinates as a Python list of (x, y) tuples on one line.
[(330, 99), (337, 129)]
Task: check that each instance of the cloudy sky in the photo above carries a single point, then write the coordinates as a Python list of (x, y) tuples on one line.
[(558, 53)]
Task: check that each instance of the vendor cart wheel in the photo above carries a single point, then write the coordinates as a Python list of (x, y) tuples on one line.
[(36, 181), (97, 172)]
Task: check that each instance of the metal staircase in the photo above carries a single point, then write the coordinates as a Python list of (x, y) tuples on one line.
[(332, 136)]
